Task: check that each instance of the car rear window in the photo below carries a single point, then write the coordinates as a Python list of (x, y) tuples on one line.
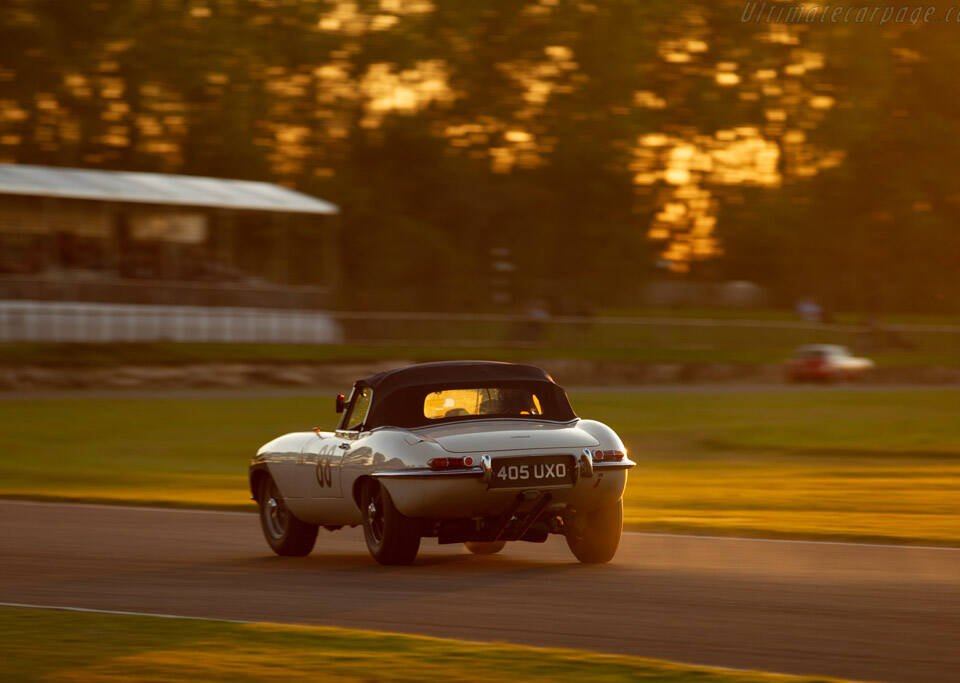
[(419, 406), (502, 401)]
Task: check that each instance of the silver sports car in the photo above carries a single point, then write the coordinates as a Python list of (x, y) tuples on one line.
[(469, 452)]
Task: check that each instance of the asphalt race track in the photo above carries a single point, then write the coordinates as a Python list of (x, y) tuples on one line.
[(857, 611)]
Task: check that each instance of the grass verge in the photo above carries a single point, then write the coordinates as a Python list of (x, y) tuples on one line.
[(741, 346), (862, 465), (95, 355), (96, 647)]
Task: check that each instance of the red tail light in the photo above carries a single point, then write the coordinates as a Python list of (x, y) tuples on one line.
[(450, 463), (608, 456)]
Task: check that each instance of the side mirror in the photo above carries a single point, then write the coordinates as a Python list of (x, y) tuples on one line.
[(341, 403)]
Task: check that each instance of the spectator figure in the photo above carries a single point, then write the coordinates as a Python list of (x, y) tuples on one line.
[(809, 310), (537, 316)]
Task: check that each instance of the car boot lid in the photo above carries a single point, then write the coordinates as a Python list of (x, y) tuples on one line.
[(507, 435)]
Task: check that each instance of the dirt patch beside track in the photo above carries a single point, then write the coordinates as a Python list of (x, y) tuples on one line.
[(566, 371)]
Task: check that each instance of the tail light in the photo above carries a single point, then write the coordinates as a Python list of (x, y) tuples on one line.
[(608, 456), (450, 463)]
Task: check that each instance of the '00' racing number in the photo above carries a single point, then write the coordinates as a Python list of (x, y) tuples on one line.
[(324, 473)]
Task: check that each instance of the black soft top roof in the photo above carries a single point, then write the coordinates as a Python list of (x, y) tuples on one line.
[(398, 395), (453, 371)]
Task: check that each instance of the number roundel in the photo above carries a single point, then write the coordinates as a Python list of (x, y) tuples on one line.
[(324, 473)]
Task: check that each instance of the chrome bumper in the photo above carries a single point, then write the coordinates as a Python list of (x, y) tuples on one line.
[(430, 474), (586, 470)]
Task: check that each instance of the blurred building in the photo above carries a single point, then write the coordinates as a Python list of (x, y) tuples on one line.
[(144, 238)]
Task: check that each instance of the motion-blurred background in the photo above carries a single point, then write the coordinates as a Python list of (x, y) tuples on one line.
[(253, 193), (534, 162)]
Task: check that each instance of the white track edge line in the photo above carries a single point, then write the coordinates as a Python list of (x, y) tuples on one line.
[(108, 506), (127, 613), (161, 615)]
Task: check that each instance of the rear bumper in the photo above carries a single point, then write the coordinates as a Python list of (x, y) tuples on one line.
[(465, 493), (481, 472)]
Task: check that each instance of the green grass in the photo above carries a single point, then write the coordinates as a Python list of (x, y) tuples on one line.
[(669, 340), (432, 340), (875, 465), (183, 353), (54, 645), (691, 312), (865, 465), (839, 317)]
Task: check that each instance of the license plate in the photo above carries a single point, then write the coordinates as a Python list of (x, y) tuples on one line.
[(546, 470)]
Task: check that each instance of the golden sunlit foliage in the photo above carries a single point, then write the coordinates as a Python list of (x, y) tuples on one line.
[(649, 126)]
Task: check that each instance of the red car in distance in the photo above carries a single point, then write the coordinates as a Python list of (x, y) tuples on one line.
[(826, 363)]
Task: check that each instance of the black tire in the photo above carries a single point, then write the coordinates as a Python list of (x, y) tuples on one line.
[(391, 537), (594, 537), (285, 534), (485, 547)]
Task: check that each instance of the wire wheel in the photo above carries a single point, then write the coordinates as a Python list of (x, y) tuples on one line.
[(391, 537), (375, 515), (485, 547), (594, 537), (276, 515), (285, 534)]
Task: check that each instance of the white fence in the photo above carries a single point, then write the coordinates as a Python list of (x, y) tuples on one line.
[(44, 321)]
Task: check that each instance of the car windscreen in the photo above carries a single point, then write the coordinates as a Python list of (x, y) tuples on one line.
[(436, 404), (357, 408)]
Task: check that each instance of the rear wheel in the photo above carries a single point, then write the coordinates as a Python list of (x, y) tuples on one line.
[(485, 547), (286, 534), (594, 536), (392, 538)]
